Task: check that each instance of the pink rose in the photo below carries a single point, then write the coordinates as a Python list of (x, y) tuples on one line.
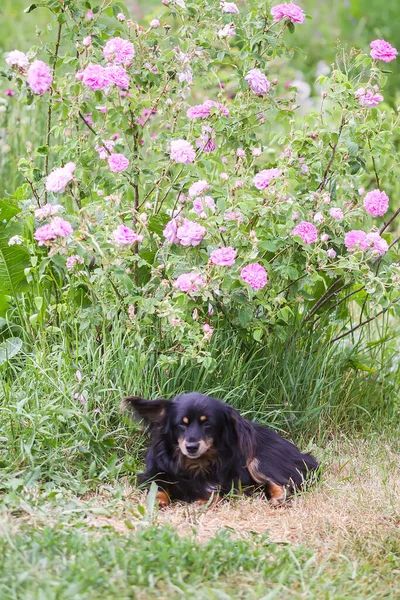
[(258, 82), (190, 233), (377, 244), (16, 58), (382, 50), (198, 188), (336, 213), (170, 231), (201, 204), (118, 76), (376, 203), (57, 227), (39, 77), (223, 257), (182, 152), (356, 239), (125, 236), (288, 11), (367, 97), (264, 178), (119, 51), (255, 275), (72, 261), (95, 77), (307, 231), (59, 178), (189, 283), (118, 163)]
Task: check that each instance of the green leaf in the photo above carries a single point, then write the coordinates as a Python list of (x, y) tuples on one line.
[(10, 348), (291, 27), (13, 262), (8, 209), (30, 8)]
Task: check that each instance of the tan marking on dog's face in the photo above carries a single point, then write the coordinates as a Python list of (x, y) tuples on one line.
[(203, 418), (204, 446), (185, 420)]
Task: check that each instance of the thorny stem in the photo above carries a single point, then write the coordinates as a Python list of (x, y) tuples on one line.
[(324, 298), (386, 225), (50, 108), (374, 165), (328, 168), (346, 333)]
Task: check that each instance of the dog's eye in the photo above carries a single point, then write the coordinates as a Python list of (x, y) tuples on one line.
[(185, 421)]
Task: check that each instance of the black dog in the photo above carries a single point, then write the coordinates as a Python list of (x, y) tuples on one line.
[(201, 447)]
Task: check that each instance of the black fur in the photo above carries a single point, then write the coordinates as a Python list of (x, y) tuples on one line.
[(243, 455)]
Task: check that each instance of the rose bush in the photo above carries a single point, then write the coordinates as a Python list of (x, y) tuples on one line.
[(192, 193)]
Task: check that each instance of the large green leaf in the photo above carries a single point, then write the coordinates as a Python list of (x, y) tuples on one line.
[(8, 209), (9, 348), (13, 262)]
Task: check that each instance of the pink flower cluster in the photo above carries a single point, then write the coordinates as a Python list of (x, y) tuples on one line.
[(190, 233), (170, 231), (233, 215), (198, 188), (258, 82), (189, 283), (223, 257), (118, 163), (376, 203), (229, 8), (336, 213), (382, 50), (203, 111), (125, 236), (47, 210), (101, 149), (255, 275), (201, 204), (288, 11), (119, 51), (96, 77), (367, 97), (58, 179), (57, 227), (39, 77), (16, 58), (307, 231), (264, 178), (182, 152), (206, 142), (356, 239), (73, 260)]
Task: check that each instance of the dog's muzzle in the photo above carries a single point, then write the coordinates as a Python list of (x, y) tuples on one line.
[(194, 449)]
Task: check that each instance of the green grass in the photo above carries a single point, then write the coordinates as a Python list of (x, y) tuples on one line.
[(75, 561), (57, 428)]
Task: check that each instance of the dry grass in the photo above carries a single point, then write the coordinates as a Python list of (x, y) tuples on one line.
[(354, 509)]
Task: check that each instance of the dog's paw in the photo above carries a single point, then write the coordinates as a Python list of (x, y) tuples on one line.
[(210, 501), (277, 502), (163, 499)]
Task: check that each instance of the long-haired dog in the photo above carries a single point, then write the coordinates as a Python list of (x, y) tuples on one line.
[(201, 449)]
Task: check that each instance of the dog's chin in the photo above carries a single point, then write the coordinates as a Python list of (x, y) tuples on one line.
[(192, 456)]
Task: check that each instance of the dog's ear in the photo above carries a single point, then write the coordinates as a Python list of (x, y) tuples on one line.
[(246, 437), (152, 412)]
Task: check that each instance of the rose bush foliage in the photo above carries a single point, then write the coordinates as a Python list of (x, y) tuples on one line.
[(179, 188)]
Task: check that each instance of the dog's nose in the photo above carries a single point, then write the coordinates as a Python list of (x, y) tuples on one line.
[(192, 448)]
